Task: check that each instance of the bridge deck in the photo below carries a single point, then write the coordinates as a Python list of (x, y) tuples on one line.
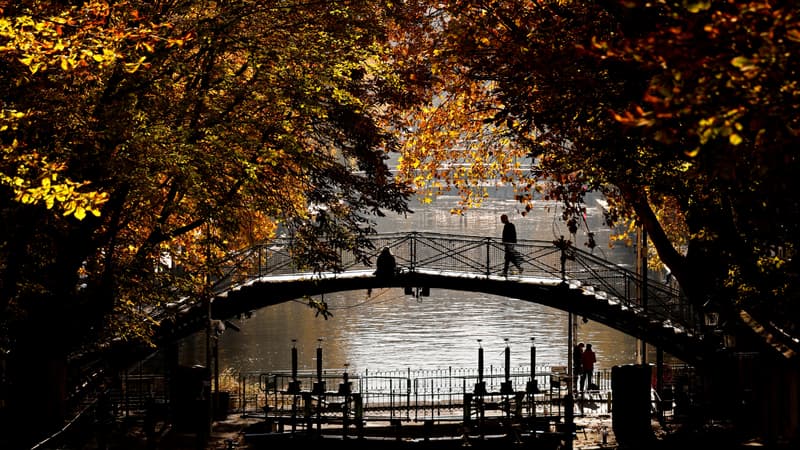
[(554, 274)]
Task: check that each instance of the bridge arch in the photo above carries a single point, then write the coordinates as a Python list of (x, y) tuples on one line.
[(551, 292), (556, 274)]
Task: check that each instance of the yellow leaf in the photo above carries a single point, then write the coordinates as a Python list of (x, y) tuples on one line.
[(80, 213), (735, 139), (697, 5)]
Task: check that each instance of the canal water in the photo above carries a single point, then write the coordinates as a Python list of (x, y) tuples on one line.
[(387, 330)]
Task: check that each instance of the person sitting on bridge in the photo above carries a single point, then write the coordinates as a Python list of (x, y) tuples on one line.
[(386, 264)]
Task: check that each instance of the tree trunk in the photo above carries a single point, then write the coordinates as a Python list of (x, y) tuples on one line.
[(37, 396)]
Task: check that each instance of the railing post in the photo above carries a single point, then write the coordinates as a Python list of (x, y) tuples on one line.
[(408, 395), (488, 256), (563, 245), (413, 251), (260, 268)]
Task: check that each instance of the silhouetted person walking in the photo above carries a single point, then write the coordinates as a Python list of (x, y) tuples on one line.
[(509, 242)]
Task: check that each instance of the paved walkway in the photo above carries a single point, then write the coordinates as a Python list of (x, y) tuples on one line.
[(593, 433), (232, 433)]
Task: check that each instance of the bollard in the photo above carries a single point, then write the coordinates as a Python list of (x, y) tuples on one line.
[(397, 425), (467, 408), (630, 420)]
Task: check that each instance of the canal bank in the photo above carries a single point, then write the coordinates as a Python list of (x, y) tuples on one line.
[(251, 433), (594, 433)]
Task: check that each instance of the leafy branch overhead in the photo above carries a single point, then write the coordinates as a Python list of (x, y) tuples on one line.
[(143, 142), (681, 113)]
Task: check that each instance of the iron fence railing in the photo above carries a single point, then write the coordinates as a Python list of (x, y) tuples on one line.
[(483, 256), (441, 395)]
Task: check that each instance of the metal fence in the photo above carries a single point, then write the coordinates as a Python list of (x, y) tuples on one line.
[(556, 261), (439, 395)]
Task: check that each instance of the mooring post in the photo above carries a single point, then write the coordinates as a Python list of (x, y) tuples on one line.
[(480, 389), (358, 414), (319, 387), (569, 421), (506, 387), (345, 389), (294, 386), (294, 359), (508, 361), (319, 363), (532, 389), (480, 362)]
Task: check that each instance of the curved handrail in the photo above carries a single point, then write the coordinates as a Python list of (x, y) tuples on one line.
[(481, 256)]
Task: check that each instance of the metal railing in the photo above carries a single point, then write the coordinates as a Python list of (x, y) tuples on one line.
[(405, 395), (546, 261), (446, 395)]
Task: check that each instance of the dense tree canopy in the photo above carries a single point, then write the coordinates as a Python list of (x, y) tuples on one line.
[(683, 113), (139, 136)]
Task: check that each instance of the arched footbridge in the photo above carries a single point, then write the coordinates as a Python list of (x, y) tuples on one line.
[(554, 274)]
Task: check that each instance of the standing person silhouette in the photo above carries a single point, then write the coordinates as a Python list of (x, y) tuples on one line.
[(509, 240), (587, 359), (577, 365)]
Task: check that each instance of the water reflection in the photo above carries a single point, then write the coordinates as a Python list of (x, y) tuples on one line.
[(392, 331)]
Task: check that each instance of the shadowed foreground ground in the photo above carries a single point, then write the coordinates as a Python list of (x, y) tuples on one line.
[(249, 433)]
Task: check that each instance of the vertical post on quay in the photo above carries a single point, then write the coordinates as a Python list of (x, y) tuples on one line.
[(570, 345), (532, 386), (642, 263), (205, 432), (319, 389)]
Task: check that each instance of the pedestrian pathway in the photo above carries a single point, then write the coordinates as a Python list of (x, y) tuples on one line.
[(592, 433), (232, 433)]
